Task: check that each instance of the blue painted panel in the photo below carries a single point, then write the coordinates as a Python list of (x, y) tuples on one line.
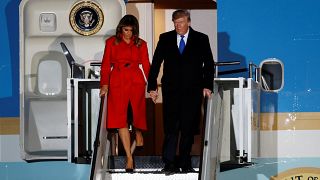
[(9, 63), (44, 171), (5, 63), (288, 30)]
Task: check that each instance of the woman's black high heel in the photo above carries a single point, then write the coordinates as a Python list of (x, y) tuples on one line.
[(135, 148), (139, 148), (130, 170)]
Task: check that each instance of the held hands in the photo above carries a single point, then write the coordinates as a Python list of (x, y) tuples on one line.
[(154, 96), (103, 90)]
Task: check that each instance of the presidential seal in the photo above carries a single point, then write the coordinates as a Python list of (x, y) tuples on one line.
[(86, 18)]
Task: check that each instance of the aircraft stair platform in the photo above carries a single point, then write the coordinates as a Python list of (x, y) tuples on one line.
[(146, 167)]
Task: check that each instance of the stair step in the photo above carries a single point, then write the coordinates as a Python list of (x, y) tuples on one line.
[(144, 171), (144, 176), (145, 162)]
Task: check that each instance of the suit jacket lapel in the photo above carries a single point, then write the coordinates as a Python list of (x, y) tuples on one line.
[(173, 41)]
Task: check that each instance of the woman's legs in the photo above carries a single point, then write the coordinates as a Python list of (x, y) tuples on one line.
[(139, 138), (125, 139)]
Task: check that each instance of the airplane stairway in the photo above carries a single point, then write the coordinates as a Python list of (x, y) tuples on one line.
[(83, 117), (105, 166)]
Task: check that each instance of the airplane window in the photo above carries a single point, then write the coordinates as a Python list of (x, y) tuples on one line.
[(271, 76)]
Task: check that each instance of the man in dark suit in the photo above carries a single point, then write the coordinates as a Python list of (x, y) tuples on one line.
[(188, 73)]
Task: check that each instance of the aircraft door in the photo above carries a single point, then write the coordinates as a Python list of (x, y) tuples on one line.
[(83, 27)]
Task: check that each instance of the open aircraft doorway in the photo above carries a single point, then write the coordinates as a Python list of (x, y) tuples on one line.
[(45, 132)]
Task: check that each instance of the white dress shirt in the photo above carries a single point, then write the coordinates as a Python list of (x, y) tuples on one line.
[(185, 38)]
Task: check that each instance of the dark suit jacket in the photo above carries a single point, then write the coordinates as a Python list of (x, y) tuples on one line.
[(184, 75)]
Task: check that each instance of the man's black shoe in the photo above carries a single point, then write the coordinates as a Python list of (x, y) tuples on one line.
[(170, 169), (187, 170)]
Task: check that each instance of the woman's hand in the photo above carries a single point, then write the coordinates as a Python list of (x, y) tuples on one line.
[(207, 92), (103, 90)]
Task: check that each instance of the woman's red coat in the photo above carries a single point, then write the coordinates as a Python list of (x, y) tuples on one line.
[(120, 70)]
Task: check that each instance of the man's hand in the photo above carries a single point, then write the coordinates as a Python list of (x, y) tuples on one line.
[(154, 96), (207, 92)]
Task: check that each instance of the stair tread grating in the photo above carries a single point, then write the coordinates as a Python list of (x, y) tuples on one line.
[(145, 162)]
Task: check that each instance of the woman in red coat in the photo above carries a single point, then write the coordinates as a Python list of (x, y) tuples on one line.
[(125, 66)]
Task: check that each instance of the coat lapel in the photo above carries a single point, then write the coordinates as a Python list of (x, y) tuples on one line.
[(174, 42), (189, 41)]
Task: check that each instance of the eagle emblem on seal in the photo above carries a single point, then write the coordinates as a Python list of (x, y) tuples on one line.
[(86, 18)]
